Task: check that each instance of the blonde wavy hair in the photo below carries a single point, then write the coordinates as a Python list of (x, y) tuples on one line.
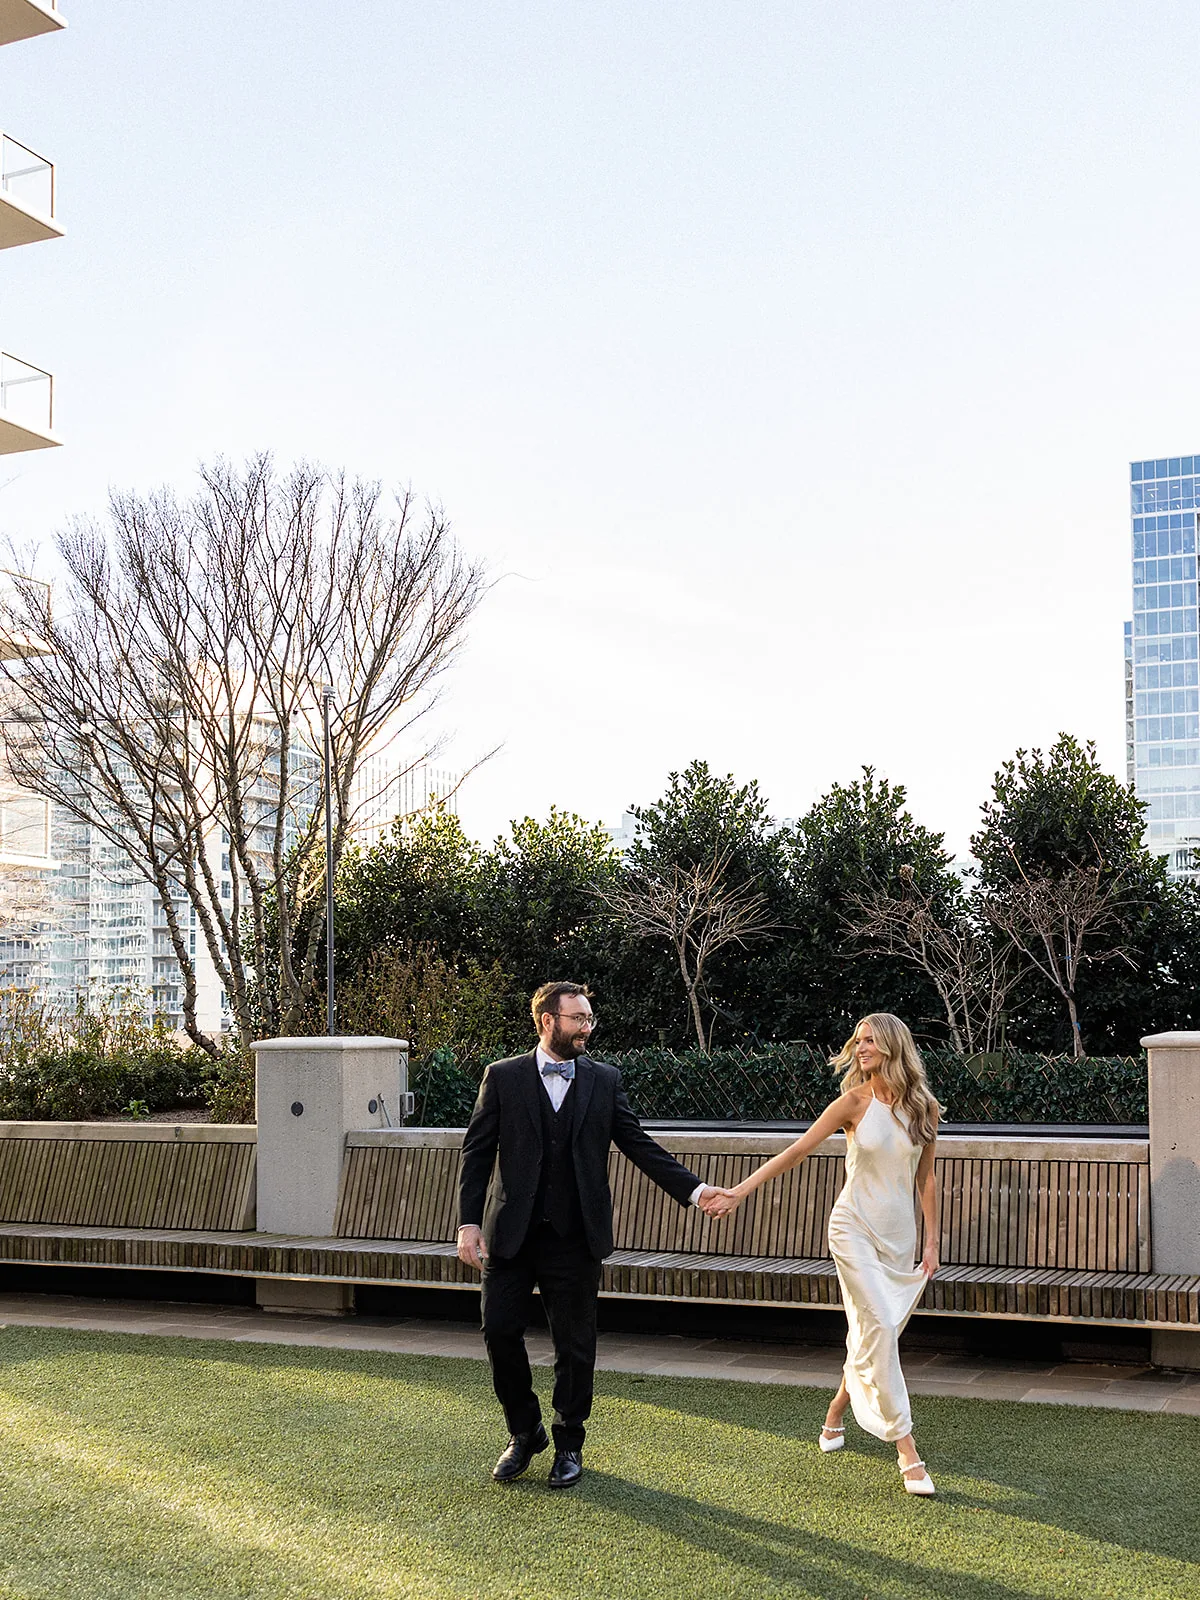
[(902, 1071)]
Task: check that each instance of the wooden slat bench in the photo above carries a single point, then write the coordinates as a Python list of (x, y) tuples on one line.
[(1053, 1229), (127, 1175), (1125, 1299)]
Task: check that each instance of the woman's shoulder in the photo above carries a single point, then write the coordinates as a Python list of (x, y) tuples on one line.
[(859, 1096), (853, 1103)]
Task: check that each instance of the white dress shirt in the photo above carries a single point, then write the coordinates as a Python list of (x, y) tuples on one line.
[(556, 1087), (554, 1083)]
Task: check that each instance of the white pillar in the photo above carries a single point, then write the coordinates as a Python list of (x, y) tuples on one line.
[(312, 1092), (1175, 1177)]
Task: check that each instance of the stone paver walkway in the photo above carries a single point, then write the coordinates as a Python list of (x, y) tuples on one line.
[(1127, 1388)]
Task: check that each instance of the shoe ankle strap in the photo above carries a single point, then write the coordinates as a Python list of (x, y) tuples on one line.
[(910, 1466)]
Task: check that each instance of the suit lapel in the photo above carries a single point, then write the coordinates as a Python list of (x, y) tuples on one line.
[(530, 1089), (581, 1092)]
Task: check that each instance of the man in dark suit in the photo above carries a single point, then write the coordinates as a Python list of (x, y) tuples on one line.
[(535, 1209)]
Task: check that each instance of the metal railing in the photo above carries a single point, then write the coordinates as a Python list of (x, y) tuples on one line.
[(26, 393), (26, 176)]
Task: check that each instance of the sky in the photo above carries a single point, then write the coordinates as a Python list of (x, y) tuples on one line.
[(782, 361)]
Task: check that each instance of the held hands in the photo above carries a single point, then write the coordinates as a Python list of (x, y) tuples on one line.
[(718, 1203), (472, 1251)]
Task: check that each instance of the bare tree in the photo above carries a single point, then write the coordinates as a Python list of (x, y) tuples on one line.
[(1058, 921), (697, 913), (177, 710), (972, 973)]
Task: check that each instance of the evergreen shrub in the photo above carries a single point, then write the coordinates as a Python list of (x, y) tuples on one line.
[(91, 1063), (794, 1082)]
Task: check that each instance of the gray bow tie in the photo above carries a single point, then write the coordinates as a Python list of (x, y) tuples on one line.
[(565, 1068)]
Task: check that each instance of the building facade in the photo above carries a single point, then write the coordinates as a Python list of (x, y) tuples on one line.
[(1162, 658), (27, 216), (110, 931), (390, 785)]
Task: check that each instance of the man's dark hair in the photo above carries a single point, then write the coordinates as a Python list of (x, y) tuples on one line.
[(548, 996)]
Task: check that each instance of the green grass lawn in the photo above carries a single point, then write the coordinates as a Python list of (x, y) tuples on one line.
[(161, 1467)]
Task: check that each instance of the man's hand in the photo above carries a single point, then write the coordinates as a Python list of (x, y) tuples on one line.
[(472, 1251), (719, 1202)]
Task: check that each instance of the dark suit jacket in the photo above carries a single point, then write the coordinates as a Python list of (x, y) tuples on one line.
[(502, 1152)]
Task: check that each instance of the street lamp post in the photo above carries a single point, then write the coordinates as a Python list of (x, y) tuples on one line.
[(330, 1000)]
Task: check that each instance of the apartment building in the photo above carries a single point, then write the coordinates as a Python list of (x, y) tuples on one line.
[(393, 784), (1162, 658), (27, 216)]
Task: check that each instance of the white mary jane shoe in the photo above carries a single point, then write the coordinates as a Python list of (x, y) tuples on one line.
[(832, 1444), (922, 1485)]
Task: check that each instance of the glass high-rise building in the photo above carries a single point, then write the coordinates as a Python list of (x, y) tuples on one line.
[(1162, 658)]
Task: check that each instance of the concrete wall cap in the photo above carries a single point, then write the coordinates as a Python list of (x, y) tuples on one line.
[(348, 1041), (1171, 1041), (970, 1147), (135, 1132)]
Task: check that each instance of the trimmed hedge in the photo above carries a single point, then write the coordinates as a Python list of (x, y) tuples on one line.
[(772, 1083), (794, 1082)]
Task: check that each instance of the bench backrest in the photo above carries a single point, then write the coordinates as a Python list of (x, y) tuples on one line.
[(398, 1191), (1004, 1202), (1046, 1211), (86, 1175)]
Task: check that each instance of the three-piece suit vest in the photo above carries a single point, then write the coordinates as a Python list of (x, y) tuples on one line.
[(557, 1198)]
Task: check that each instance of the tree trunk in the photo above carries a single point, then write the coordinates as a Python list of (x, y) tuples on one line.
[(694, 1002), (1076, 1036)]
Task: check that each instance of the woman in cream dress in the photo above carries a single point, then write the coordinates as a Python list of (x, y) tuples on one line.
[(890, 1117)]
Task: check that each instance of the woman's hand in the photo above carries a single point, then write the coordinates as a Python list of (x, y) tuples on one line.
[(929, 1261), (720, 1202)]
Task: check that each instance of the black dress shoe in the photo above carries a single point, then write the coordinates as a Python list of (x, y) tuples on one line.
[(522, 1448), (567, 1469)]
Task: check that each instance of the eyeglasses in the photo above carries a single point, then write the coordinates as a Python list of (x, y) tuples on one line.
[(581, 1019)]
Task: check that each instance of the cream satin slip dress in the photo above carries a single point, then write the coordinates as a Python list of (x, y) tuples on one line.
[(873, 1241)]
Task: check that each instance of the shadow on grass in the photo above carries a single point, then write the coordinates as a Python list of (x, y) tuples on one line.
[(783, 1552), (1069, 1467)]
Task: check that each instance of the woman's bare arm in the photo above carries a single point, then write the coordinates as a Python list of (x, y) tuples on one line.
[(927, 1193), (844, 1112)]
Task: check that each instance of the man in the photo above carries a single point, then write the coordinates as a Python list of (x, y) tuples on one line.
[(535, 1208)]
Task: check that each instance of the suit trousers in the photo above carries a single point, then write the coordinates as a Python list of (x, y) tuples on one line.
[(568, 1278)]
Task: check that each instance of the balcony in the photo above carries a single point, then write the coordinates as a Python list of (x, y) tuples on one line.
[(25, 830), (25, 19), (26, 195), (26, 407), (23, 600)]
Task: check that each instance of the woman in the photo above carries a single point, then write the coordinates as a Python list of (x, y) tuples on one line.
[(890, 1119)]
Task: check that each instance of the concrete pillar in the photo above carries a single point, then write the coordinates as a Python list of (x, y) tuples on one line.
[(1175, 1177), (312, 1092)]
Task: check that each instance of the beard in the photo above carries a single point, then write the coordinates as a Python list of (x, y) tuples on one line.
[(567, 1046)]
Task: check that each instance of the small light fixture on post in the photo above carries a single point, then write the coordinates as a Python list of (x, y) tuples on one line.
[(330, 1000)]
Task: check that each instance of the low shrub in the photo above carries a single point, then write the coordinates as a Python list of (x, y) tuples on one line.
[(444, 1089), (230, 1087), (75, 1085), (91, 1063)]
